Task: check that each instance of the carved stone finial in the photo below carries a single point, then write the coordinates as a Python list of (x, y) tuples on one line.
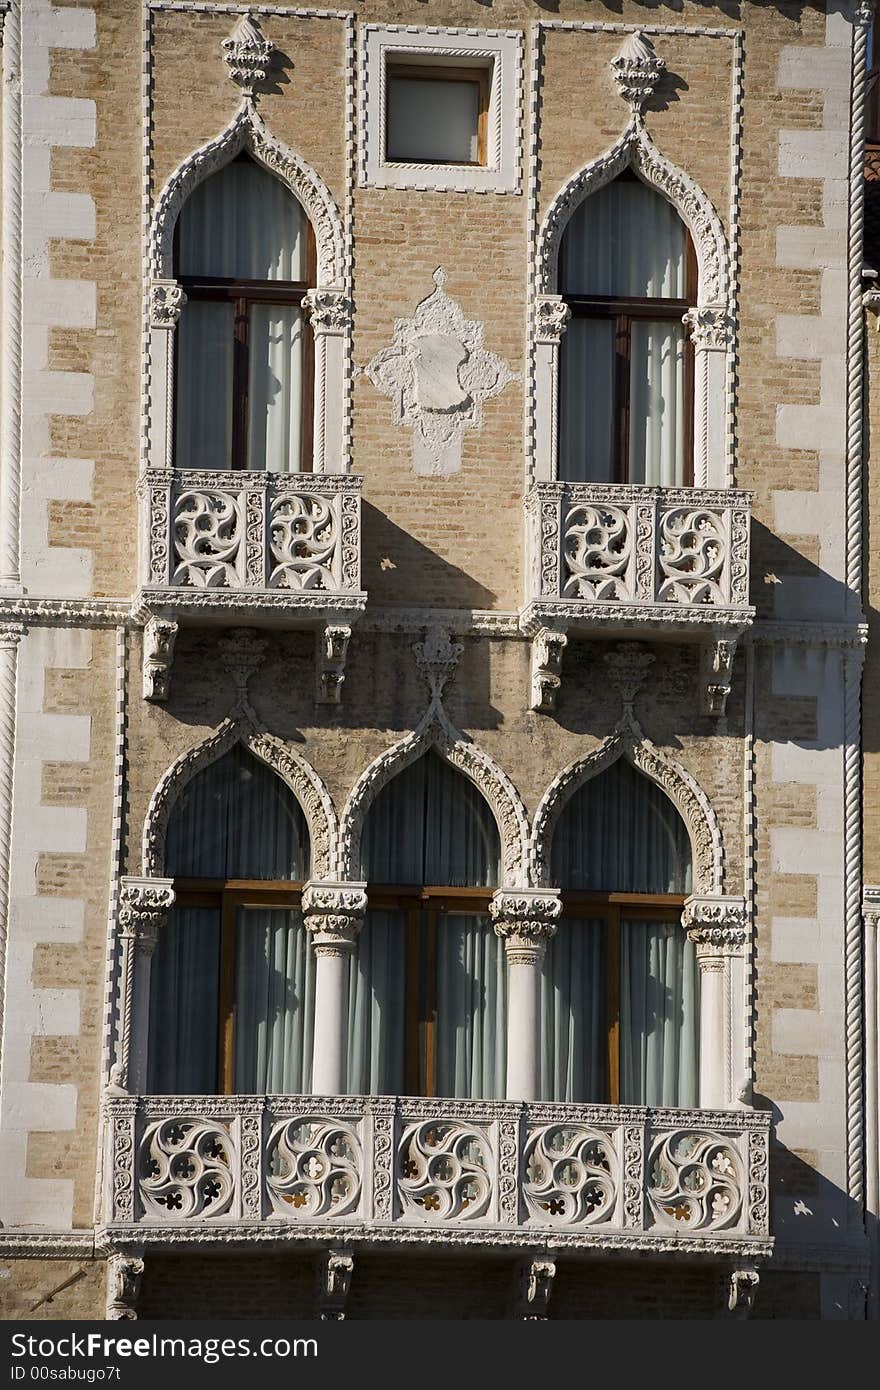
[(864, 15), (636, 69), (437, 656), (247, 54), (628, 666), (438, 373), (242, 652)]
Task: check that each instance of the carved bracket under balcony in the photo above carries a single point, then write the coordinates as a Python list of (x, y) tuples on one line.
[(608, 559)]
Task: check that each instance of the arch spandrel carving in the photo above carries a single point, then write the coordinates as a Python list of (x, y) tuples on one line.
[(247, 131), (290, 766), (636, 150), (683, 791), (436, 732)]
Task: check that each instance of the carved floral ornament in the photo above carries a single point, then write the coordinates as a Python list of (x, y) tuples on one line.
[(247, 55), (637, 70), (437, 373)]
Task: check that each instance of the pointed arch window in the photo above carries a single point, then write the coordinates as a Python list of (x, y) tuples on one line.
[(245, 256), (628, 272), (232, 982), (427, 996), (620, 989)]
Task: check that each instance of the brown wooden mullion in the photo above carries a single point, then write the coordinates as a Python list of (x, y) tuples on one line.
[(240, 384), (430, 1019), (412, 1061), (226, 1022), (622, 354), (612, 979)]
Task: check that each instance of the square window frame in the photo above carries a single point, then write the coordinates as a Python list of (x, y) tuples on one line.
[(499, 53), (483, 78)]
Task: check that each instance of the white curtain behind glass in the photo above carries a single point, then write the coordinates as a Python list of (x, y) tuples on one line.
[(429, 826), (626, 241), (235, 820), (433, 120), (620, 833), (241, 224)]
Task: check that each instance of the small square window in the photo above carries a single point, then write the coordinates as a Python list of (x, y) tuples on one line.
[(440, 109), (436, 115)]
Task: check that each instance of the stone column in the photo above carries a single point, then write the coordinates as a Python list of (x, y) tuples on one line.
[(167, 299), (334, 914), (551, 320), (330, 314), (711, 331), (716, 926), (144, 904), (526, 920)]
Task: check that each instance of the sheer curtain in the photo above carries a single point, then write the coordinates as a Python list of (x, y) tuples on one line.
[(624, 242), (621, 833), (235, 820), (241, 224), (429, 826)]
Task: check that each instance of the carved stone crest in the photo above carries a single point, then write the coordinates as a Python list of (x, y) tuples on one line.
[(636, 70), (438, 373), (247, 54)]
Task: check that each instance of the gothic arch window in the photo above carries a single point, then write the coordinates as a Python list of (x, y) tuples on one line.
[(427, 996), (620, 989), (628, 273), (232, 978), (245, 258)]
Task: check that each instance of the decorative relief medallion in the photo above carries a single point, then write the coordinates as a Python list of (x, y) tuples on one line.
[(187, 1168), (438, 373), (444, 1171), (570, 1175), (314, 1168), (695, 1181)]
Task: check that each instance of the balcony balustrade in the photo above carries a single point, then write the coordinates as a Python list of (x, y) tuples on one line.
[(192, 1168), (266, 549), (608, 558)]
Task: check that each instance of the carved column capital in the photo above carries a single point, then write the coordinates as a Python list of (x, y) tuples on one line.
[(334, 914), (329, 311), (716, 925), (144, 904), (552, 315), (10, 635), (167, 299), (526, 919), (710, 328), (871, 907)]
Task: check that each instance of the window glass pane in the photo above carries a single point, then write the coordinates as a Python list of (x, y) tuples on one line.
[(275, 390), (626, 241), (243, 224), (659, 1015), (621, 833), (204, 385), (586, 391), (471, 1027), (376, 1009), (573, 1021), (430, 825), (433, 120), (237, 819), (184, 992), (274, 1002), (657, 403)]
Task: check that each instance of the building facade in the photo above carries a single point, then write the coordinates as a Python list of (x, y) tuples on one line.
[(437, 786)]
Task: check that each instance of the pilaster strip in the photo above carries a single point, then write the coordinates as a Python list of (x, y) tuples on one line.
[(734, 252), (532, 199), (750, 858), (13, 270)]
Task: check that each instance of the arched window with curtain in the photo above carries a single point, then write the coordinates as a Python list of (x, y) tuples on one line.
[(245, 255), (232, 982), (427, 997), (627, 270), (620, 989)]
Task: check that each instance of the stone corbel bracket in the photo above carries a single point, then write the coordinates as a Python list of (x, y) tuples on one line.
[(160, 635), (871, 303), (124, 1273), (716, 671), (331, 650), (548, 649), (535, 1278), (334, 1271), (738, 1289)]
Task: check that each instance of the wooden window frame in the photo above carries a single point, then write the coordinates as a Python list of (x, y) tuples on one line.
[(229, 895), (243, 294), (480, 75), (613, 908), (622, 312)]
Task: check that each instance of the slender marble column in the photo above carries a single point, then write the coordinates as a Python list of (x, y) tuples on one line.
[(333, 914), (716, 926), (526, 920)]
